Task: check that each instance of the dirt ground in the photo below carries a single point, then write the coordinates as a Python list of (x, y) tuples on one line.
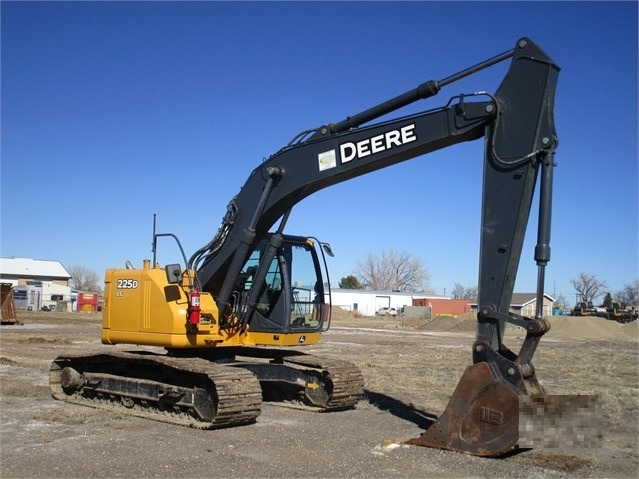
[(410, 369)]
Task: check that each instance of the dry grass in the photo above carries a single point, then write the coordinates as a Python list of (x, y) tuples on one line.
[(424, 374), (47, 338), (22, 388), (418, 371), (31, 317)]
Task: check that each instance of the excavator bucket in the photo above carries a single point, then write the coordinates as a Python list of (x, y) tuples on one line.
[(482, 416)]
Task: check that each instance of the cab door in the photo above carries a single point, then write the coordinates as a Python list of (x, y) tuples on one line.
[(291, 297)]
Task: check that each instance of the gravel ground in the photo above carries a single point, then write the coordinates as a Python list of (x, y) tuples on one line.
[(406, 387)]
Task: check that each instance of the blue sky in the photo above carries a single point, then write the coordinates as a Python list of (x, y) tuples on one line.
[(114, 111)]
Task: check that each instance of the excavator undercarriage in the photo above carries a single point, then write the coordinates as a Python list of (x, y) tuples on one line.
[(189, 392), (206, 390)]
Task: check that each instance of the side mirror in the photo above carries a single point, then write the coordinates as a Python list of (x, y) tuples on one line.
[(327, 249), (173, 273)]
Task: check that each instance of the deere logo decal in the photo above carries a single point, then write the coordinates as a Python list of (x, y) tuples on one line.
[(369, 146)]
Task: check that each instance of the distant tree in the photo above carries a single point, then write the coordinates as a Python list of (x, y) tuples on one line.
[(393, 271), (588, 287), (461, 292), (350, 282), (629, 295), (607, 301), (561, 302), (85, 279)]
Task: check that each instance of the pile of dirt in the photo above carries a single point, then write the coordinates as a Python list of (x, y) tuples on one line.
[(440, 323), (339, 314), (465, 325), (592, 328), (562, 327)]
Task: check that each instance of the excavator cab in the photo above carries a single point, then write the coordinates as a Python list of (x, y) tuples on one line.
[(289, 291)]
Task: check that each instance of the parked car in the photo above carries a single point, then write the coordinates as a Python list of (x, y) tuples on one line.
[(386, 312)]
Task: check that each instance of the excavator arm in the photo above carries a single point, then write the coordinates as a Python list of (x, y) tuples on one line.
[(482, 416), (517, 125)]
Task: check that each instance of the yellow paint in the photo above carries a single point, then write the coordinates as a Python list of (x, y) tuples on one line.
[(141, 307)]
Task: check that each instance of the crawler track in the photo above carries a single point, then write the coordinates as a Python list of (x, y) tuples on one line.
[(344, 380), (186, 391), (212, 391)]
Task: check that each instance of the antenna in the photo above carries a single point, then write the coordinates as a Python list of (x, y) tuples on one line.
[(154, 243)]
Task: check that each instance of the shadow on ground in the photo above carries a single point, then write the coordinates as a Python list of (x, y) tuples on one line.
[(399, 409)]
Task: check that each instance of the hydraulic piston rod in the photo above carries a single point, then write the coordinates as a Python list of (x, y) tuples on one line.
[(423, 91)]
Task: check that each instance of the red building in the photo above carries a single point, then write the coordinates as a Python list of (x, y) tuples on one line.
[(444, 306)]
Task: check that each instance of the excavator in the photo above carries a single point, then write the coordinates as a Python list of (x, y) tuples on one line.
[(223, 331), (618, 312), (584, 308)]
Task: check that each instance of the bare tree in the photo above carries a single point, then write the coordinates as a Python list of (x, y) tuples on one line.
[(629, 295), (461, 292), (561, 301), (393, 271), (84, 278), (588, 287)]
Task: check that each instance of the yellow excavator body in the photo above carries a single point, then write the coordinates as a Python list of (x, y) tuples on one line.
[(141, 307)]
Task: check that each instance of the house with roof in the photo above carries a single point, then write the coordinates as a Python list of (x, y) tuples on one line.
[(525, 304), (37, 284)]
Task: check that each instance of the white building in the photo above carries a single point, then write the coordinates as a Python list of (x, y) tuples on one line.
[(367, 303), (38, 295), (37, 283)]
